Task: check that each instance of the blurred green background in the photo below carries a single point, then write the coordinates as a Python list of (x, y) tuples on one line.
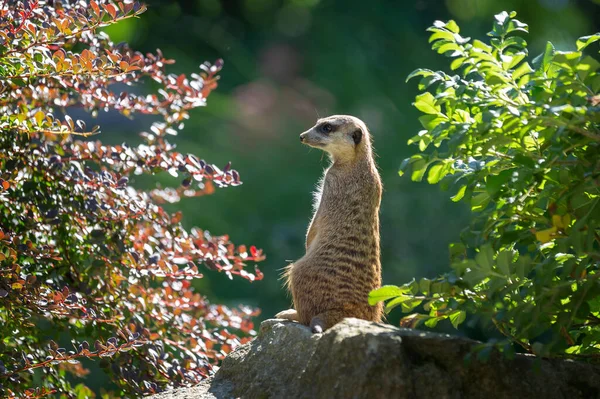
[(288, 62)]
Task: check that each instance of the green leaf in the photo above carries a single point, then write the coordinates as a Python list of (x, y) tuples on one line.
[(410, 161), (544, 61), (82, 392), (493, 183), (515, 41), (417, 138), (17, 81), (523, 160), (480, 201), (429, 122), (384, 293), (475, 277), (424, 142), (521, 70), (405, 164), (461, 115), (452, 26), (457, 63), (444, 48), (424, 286), (562, 257), (427, 81), (595, 83), (516, 25), (460, 194), (504, 260), (566, 59), (433, 321), (457, 317), (397, 302), (418, 170), (586, 66), (425, 102), (457, 251), (523, 267), (419, 72), (440, 34), (409, 305), (412, 287), (460, 267), (478, 44), (585, 41), (485, 257), (574, 349), (436, 173), (516, 60)]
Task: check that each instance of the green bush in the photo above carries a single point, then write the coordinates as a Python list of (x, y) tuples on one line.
[(90, 266), (519, 141)]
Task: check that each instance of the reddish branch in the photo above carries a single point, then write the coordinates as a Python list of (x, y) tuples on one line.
[(69, 217)]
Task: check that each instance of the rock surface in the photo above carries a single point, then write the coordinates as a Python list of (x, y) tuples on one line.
[(360, 359)]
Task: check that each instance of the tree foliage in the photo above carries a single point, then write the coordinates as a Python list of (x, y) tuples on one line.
[(90, 266), (519, 141)]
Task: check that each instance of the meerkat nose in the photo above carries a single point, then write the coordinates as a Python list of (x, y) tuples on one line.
[(301, 138)]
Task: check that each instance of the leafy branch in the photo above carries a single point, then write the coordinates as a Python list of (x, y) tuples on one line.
[(518, 140)]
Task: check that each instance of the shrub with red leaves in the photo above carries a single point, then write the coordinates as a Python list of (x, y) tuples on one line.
[(87, 260)]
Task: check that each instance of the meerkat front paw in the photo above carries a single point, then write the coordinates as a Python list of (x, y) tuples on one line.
[(289, 314)]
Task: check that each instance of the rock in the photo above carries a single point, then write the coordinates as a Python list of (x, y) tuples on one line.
[(360, 359)]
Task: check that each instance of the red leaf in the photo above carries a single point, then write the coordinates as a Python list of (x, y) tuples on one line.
[(258, 273), (60, 54), (180, 80), (110, 9), (95, 7)]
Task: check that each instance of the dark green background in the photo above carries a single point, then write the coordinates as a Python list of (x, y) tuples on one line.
[(286, 63)]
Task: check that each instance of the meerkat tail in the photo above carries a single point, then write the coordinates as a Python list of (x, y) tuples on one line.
[(323, 321), (289, 314)]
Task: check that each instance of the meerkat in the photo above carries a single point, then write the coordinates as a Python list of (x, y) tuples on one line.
[(342, 261)]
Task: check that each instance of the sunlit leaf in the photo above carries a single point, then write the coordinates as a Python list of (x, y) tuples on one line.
[(585, 41)]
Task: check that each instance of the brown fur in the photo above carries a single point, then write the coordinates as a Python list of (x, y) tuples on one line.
[(342, 261)]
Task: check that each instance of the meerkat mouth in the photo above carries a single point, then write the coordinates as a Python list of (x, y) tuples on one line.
[(316, 144)]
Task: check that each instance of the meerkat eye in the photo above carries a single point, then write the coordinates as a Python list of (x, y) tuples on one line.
[(326, 128)]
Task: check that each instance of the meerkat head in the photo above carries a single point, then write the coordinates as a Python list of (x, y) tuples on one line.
[(342, 136)]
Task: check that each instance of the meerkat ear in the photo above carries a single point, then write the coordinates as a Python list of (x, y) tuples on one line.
[(357, 136)]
